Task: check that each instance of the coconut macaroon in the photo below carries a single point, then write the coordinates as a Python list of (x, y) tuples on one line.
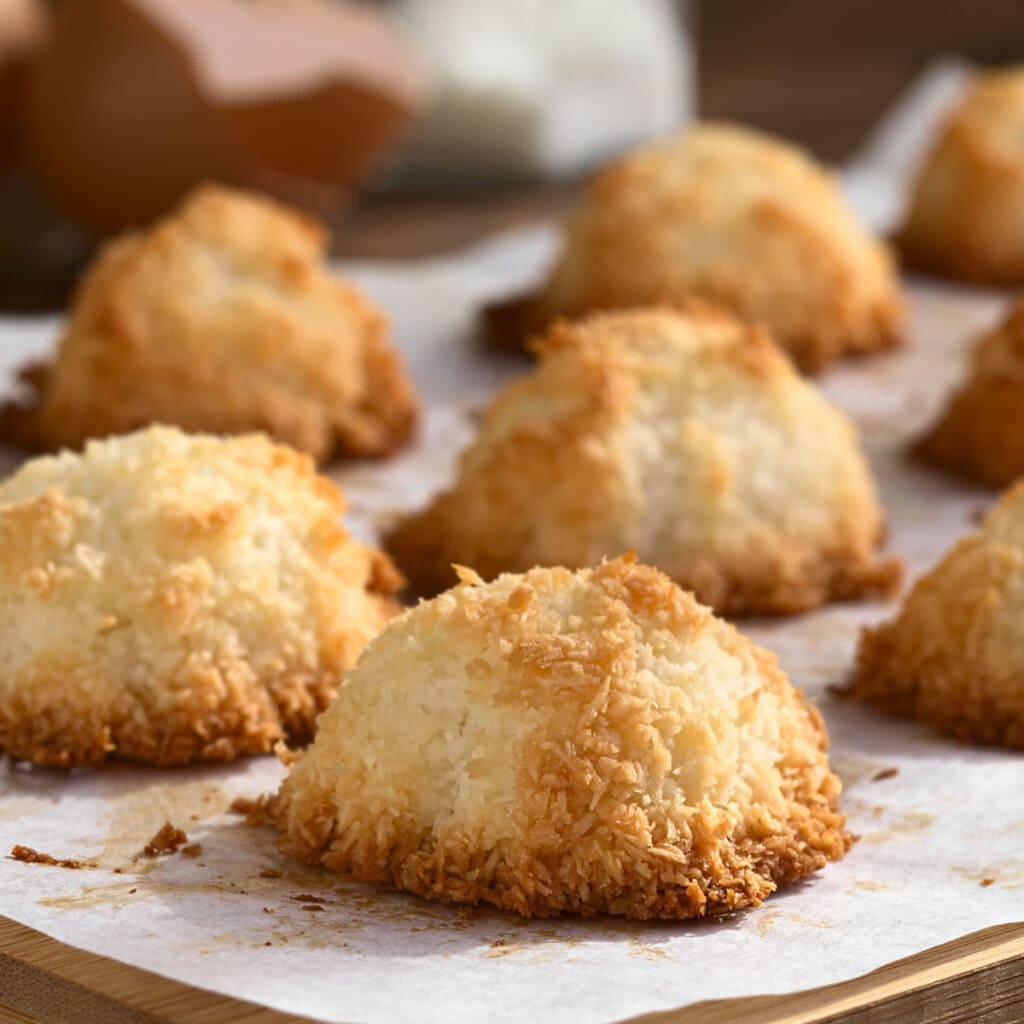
[(981, 432), (965, 216), (174, 598), (223, 317), (732, 216), (687, 436), (953, 656), (589, 742)]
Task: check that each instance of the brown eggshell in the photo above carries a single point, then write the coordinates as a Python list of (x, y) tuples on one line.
[(135, 101), (22, 30), (300, 136)]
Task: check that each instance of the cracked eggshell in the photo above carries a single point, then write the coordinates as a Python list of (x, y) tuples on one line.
[(23, 25), (133, 102)]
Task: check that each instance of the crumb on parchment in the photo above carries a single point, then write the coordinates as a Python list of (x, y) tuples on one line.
[(29, 856), (256, 812), (168, 839)]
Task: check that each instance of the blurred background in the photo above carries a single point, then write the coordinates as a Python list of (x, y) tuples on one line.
[(415, 126)]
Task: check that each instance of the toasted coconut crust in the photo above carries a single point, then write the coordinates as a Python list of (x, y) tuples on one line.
[(221, 318), (783, 581), (965, 218), (246, 716), (727, 215), (172, 599), (650, 429), (981, 432), (952, 657), (576, 791)]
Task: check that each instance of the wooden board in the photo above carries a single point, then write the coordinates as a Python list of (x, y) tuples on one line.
[(979, 977)]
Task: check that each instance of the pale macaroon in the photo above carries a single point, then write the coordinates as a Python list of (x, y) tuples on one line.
[(559, 742), (685, 435), (172, 598), (732, 216), (953, 656), (222, 317), (965, 212), (980, 433)]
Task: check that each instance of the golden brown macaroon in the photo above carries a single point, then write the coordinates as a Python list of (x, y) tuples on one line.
[(687, 436), (223, 317), (981, 432), (953, 657), (589, 742), (732, 216), (174, 598), (965, 217)]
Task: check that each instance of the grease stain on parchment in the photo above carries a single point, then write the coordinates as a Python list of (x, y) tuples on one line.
[(767, 920), (273, 909), (901, 824), (892, 824), (853, 771), (501, 948), (277, 890), (134, 816), (640, 950), (17, 808), (1004, 875), (866, 885), (23, 793)]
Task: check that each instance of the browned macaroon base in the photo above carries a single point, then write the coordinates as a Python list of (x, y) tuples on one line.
[(787, 585), (378, 426), (812, 353), (386, 418), (244, 353), (249, 719), (509, 325), (718, 876), (791, 586), (947, 697), (981, 434), (963, 259)]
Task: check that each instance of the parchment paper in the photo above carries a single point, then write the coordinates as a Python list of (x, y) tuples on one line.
[(941, 845)]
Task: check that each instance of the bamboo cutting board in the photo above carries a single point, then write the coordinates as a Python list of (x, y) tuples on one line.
[(979, 977)]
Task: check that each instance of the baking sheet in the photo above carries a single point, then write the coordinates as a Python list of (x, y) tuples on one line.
[(940, 853)]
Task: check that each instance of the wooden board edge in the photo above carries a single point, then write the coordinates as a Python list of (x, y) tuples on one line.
[(48, 979), (74, 977), (988, 956), (9, 1016)]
